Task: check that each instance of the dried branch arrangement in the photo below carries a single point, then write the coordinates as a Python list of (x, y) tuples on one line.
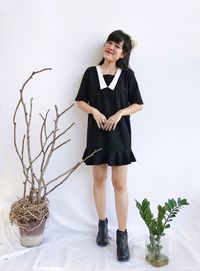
[(33, 206)]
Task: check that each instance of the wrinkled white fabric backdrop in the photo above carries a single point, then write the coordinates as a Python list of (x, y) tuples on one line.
[(68, 36)]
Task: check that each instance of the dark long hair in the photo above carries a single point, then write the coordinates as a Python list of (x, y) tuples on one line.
[(118, 36)]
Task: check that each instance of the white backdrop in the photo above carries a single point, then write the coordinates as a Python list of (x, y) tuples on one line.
[(68, 37)]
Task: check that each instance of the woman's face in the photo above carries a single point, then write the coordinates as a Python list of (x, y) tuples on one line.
[(113, 51)]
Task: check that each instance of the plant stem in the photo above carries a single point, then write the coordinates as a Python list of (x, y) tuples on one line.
[(169, 215), (154, 248)]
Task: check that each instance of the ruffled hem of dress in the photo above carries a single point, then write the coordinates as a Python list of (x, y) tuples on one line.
[(110, 157)]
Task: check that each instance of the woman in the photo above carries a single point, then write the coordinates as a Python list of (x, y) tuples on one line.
[(109, 94)]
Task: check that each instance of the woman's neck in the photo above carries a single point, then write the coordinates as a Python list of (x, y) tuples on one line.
[(109, 67)]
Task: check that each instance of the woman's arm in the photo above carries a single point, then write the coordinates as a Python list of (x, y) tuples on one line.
[(85, 107), (99, 118), (131, 109), (112, 121)]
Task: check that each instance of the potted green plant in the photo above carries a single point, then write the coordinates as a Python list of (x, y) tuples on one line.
[(31, 211), (157, 226)]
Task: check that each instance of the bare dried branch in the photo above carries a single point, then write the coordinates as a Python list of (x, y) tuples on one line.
[(22, 152), (69, 173), (20, 156), (59, 136), (48, 146), (27, 136), (45, 160), (33, 73), (65, 131), (51, 145), (42, 145), (28, 122), (25, 170), (15, 136), (58, 177), (64, 111), (25, 185), (65, 142), (35, 177), (30, 112), (47, 156), (41, 140), (44, 122)]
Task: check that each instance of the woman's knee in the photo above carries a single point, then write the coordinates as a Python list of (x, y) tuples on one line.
[(99, 180), (119, 185), (99, 174), (119, 176)]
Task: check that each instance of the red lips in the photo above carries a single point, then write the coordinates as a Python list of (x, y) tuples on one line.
[(109, 52)]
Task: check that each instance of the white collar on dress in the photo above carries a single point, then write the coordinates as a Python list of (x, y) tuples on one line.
[(102, 81)]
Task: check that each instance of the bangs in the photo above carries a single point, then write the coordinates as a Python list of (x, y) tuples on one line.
[(116, 37)]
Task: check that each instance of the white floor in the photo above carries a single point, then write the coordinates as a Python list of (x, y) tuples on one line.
[(64, 249)]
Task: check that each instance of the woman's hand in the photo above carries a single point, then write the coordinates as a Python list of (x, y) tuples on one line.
[(99, 118), (112, 121)]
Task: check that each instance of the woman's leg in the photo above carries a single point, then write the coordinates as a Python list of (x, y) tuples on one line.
[(119, 181), (119, 176), (99, 189)]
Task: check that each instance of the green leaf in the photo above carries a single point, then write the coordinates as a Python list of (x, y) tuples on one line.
[(152, 227), (138, 205), (174, 213), (174, 202), (167, 226), (179, 201), (184, 202), (148, 218), (170, 202), (145, 211), (145, 203), (167, 206), (160, 226)]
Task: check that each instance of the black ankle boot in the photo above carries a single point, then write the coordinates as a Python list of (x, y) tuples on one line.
[(102, 236), (123, 253)]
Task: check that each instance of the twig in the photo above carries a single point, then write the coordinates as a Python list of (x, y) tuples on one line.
[(62, 144), (64, 111), (70, 172), (50, 144), (45, 160), (33, 73)]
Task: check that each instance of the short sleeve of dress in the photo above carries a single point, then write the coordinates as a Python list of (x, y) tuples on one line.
[(83, 94), (134, 95)]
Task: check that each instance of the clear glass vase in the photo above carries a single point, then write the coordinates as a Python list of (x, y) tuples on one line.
[(157, 250)]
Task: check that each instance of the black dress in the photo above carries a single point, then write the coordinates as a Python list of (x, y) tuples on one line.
[(109, 94)]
